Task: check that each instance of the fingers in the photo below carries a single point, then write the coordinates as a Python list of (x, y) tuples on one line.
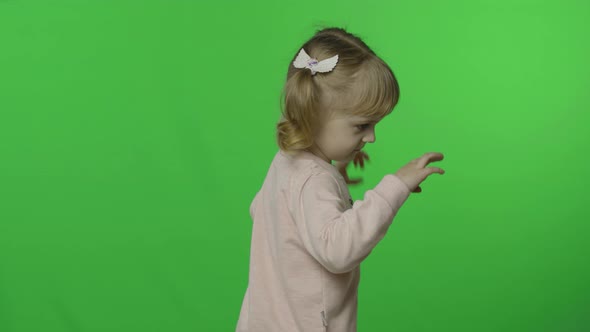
[(360, 159), (364, 156), (354, 181), (428, 158), (426, 172)]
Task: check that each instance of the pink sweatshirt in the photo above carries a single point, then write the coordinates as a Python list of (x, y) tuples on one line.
[(308, 241)]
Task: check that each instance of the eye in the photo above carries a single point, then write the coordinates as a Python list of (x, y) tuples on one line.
[(363, 126)]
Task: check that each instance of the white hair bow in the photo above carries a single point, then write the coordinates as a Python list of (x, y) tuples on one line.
[(303, 60)]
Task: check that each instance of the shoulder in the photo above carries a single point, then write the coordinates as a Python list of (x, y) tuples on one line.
[(317, 178), (304, 170)]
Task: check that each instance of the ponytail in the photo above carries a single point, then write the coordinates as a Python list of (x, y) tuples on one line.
[(299, 112)]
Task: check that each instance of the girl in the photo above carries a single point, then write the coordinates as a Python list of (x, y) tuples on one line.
[(308, 239)]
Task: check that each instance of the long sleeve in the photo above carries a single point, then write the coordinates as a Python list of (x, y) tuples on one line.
[(337, 236)]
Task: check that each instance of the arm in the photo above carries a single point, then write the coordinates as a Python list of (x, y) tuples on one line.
[(339, 237)]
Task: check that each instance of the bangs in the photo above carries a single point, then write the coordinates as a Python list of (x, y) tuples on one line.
[(374, 93)]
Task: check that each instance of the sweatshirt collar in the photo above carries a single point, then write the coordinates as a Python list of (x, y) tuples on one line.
[(302, 154)]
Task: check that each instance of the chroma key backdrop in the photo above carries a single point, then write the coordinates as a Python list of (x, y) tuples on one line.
[(135, 134)]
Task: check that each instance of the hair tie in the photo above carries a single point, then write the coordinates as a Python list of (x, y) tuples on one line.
[(303, 60)]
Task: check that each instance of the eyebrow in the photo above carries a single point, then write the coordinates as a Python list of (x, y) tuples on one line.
[(366, 120)]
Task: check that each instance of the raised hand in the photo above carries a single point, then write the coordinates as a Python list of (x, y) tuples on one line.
[(359, 159), (416, 171)]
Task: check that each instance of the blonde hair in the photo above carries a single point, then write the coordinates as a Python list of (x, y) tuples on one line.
[(361, 84)]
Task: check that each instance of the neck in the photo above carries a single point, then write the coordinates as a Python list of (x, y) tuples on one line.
[(318, 152)]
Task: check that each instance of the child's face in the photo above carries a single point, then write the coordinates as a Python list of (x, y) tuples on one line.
[(340, 138)]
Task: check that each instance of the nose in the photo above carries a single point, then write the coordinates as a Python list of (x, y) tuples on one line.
[(370, 137)]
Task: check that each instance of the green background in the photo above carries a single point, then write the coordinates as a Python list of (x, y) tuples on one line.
[(134, 136)]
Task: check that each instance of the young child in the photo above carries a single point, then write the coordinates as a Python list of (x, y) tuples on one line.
[(308, 238)]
